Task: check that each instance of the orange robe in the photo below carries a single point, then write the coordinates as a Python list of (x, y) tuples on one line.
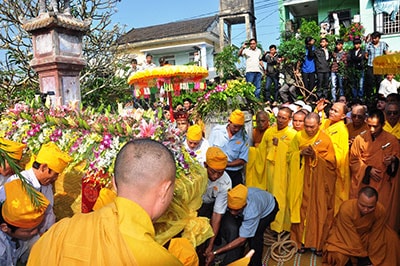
[(311, 190), (353, 132), (340, 139), (353, 235), (366, 152)]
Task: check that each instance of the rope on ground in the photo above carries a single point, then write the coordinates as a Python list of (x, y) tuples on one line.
[(282, 247)]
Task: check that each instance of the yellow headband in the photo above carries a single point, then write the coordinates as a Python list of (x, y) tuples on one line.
[(13, 149), (194, 133), (216, 158), (18, 209), (237, 117), (51, 155), (237, 197)]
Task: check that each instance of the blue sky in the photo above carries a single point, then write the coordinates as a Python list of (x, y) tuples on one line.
[(137, 14)]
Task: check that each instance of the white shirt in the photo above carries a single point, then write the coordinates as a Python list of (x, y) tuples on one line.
[(387, 87), (9, 253), (252, 60), (200, 151), (217, 192)]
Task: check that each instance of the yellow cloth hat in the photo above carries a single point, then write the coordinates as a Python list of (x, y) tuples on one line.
[(216, 158), (18, 209), (237, 117), (51, 155), (237, 197), (13, 149), (194, 133)]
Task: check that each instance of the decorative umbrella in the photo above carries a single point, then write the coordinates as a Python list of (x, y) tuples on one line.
[(387, 64), (168, 76)]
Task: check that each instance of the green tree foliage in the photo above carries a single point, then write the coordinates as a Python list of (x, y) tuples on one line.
[(99, 82), (226, 63)]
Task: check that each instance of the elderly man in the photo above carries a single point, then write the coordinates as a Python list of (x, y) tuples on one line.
[(374, 161), (360, 234), (262, 124), (19, 221), (234, 142), (195, 144), (336, 129), (271, 164), (392, 115), (215, 199), (250, 212), (358, 126), (14, 151), (311, 185), (121, 233)]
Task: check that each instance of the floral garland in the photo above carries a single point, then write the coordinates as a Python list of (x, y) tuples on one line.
[(88, 136)]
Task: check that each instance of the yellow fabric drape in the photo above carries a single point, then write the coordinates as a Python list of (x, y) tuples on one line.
[(339, 135), (393, 130), (296, 173), (120, 233)]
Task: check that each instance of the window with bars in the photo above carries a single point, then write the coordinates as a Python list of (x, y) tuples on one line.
[(387, 26)]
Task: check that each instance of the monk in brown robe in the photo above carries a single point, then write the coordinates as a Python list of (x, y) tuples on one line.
[(359, 234), (357, 125), (262, 121), (374, 161), (311, 186)]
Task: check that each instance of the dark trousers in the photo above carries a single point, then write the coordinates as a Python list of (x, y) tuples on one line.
[(236, 177), (371, 81), (308, 80), (323, 84), (230, 231)]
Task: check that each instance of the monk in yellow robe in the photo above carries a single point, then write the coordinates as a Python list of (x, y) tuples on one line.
[(271, 164), (122, 232), (392, 115), (359, 233), (374, 161), (357, 125), (311, 190), (336, 129)]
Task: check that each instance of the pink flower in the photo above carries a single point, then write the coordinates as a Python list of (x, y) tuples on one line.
[(146, 129)]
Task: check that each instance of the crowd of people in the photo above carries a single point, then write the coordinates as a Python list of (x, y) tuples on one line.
[(326, 172), (323, 73)]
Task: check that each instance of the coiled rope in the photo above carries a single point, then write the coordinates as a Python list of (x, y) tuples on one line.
[(282, 248)]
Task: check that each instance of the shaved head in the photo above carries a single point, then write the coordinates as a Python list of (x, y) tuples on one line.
[(143, 163)]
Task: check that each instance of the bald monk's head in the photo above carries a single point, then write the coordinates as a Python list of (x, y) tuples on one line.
[(145, 173)]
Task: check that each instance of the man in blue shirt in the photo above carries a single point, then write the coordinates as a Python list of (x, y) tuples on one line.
[(250, 212), (234, 142)]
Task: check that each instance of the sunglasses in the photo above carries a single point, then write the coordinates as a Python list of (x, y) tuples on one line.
[(357, 116), (392, 112)]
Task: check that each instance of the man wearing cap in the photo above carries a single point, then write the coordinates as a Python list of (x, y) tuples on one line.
[(311, 185), (182, 121), (215, 198), (234, 142), (271, 164), (250, 212), (19, 221), (14, 151), (195, 144), (48, 164)]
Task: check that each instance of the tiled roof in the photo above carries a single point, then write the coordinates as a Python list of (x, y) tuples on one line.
[(172, 29), (47, 21)]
